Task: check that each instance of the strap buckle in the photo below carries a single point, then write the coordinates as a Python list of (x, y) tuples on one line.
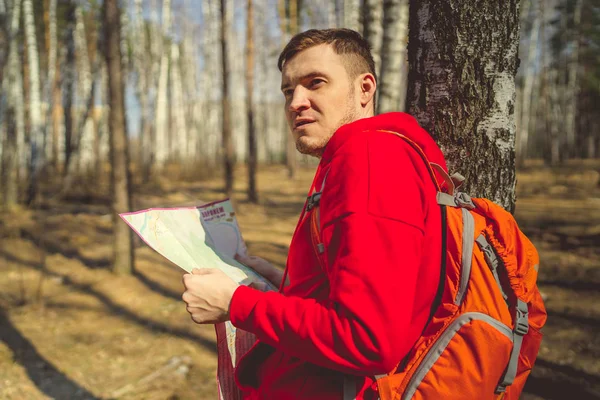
[(522, 318), (313, 201)]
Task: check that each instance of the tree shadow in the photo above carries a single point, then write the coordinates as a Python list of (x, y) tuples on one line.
[(118, 310), (42, 373), (54, 246), (554, 381), (155, 286)]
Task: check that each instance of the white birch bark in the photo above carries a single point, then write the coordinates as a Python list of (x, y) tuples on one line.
[(2, 7), (331, 14), (529, 78), (462, 90), (51, 79), (124, 43), (161, 119), (35, 111), (85, 155), (373, 30), (142, 65), (351, 20), (393, 56), (13, 126), (189, 68), (180, 137)]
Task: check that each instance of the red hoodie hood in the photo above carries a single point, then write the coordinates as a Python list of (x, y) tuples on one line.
[(396, 122)]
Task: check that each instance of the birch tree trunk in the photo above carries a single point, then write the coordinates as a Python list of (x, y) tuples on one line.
[(69, 80), (463, 60), (161, 119), (530, 77), (180, 135), (143, 68), (393, 56), (85, 145), (373, 30), (14, 122), (51, 83), (252, 156), (228, 151), (35, 110), (351, 20), (289, 29), (120, 185), (573, 83)]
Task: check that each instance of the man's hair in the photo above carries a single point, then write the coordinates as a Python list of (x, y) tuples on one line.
[(346, 42)]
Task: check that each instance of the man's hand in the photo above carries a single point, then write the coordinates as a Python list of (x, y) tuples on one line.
[(208, 295), (263, 267)]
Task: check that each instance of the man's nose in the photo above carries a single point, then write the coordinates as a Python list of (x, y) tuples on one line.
[(299, 100)]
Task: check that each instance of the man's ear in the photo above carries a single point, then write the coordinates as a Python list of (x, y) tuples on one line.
[(367, 88)]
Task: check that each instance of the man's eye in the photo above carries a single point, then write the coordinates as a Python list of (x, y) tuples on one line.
[(316, 82), (288, 92)]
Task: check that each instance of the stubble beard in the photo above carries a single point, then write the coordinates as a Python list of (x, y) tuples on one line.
[(316, 146)]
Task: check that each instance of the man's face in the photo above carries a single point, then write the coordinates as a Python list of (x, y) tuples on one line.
[(319, 97)]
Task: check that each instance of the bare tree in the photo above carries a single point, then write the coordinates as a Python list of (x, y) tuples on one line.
[(463, 91), (120, 185), (228, 151), (14, 119), (35, 109), (161, 123), (392, 82), (372, 14), (85, 143), (527, 94), (252, 156)]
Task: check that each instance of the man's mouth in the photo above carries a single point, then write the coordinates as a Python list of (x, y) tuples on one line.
[(302, 122)]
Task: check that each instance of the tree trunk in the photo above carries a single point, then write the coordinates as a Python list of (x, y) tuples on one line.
[(463, 92), (85, 145), (69, 80), (252, 192), (120, 186), (289, 29), (142, 65), (573, 83), (228, 151), (178, 108), (14, 122), (351, 19), (51, 82), (373, 30), (530, 76), (393, 56), (35, 110), (161, 121)]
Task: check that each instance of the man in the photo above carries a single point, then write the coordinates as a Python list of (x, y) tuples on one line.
[(356, 310)]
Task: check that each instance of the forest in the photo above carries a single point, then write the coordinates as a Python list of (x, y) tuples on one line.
[(110, 106)]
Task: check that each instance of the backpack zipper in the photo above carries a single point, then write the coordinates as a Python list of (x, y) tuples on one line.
[(438, 348)]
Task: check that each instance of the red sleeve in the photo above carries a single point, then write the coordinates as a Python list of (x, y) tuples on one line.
[(373, 265)]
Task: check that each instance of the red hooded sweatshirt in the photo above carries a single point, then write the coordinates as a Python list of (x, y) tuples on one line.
[(360, 313)]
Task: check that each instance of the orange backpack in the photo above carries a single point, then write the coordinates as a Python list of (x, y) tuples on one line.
[(483, 338)]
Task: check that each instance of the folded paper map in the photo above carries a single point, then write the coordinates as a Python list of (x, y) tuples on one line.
[(207, 236)]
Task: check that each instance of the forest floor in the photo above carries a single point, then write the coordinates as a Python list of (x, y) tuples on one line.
[(70, 329)]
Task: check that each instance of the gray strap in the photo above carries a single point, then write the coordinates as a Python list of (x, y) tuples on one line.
[(349, 388), (459, 199), (492, 260), (445, 199), (521, 328), (449, 182), (467, 255)]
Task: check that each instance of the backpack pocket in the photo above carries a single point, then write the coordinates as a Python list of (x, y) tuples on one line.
[(466, 361)]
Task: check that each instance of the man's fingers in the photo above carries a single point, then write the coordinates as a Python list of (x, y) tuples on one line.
[(203, 271)]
